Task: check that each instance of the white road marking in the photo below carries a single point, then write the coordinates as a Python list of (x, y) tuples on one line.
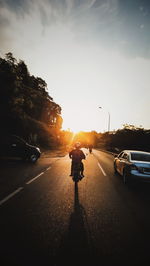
[(11, 195), (48, 168), (102, 169), (20, 188), (34, 178)]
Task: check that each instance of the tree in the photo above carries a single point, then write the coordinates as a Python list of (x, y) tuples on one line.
[(25, 98)]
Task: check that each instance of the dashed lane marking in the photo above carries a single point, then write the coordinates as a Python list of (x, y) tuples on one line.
[(11, 195), (34, 178), (102, 169), (48, 168), (20, 188)]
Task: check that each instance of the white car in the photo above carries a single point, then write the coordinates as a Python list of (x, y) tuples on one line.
[(132, 164)]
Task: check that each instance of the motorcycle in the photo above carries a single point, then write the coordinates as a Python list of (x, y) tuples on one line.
[(76, 172)]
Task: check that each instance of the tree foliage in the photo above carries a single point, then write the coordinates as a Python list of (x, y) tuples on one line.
[(129, 137), (25, 104)]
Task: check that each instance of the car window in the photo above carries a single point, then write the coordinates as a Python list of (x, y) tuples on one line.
[(120, 155), (125, 156), (140, 157), (17, 140)]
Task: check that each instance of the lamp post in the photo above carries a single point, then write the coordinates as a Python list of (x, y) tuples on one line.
[(108, 118)]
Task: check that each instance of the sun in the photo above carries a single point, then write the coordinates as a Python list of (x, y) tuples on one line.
[(76, 131), (75, 126)]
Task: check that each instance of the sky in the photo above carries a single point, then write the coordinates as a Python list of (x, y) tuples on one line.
[(91, 53)]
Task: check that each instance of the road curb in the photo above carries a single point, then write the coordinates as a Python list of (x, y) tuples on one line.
[(109, 152)]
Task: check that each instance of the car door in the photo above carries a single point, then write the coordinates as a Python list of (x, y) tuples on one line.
[(123, 162), (16, 147), (4, 147)]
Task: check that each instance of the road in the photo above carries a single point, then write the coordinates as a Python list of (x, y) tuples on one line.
[(47, 219)]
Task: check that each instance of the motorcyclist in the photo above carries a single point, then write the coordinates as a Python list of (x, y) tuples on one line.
[(90, 148), (77, 155)]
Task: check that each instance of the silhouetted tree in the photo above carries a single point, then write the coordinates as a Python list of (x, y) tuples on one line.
[(25, 98), (129, 137)]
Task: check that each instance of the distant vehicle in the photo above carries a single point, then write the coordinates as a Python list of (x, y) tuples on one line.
[(133, 165), (16, 147)]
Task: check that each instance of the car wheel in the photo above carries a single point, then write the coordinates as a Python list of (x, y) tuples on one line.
[(33, 158), (125, 177)]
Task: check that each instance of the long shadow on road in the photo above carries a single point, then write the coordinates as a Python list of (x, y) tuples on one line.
[(76, 247)]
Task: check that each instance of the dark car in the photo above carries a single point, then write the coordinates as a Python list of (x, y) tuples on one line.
[(14, 146), (133, 165)]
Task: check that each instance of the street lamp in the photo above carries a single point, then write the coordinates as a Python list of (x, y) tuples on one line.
[(108, 118)]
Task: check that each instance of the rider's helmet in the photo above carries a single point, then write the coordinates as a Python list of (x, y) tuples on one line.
[(77, 145)]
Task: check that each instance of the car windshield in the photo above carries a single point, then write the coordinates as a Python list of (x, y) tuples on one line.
[(140, 157), (18, 140)]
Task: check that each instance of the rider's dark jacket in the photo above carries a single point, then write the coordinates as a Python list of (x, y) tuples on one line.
[(76, 155)]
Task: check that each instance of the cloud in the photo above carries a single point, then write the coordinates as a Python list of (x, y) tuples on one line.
[(83, 49), (17, 6), (114, 24)]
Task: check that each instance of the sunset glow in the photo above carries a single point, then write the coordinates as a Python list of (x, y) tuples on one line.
[(90, 53)]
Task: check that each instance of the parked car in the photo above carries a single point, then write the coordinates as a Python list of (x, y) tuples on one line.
[(133, 165), (14, 146)]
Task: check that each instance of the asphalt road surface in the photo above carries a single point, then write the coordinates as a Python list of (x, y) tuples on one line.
[(47, 219)]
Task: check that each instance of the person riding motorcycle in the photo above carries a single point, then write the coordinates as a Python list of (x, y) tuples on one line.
[(77, 155), (90, 148)]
